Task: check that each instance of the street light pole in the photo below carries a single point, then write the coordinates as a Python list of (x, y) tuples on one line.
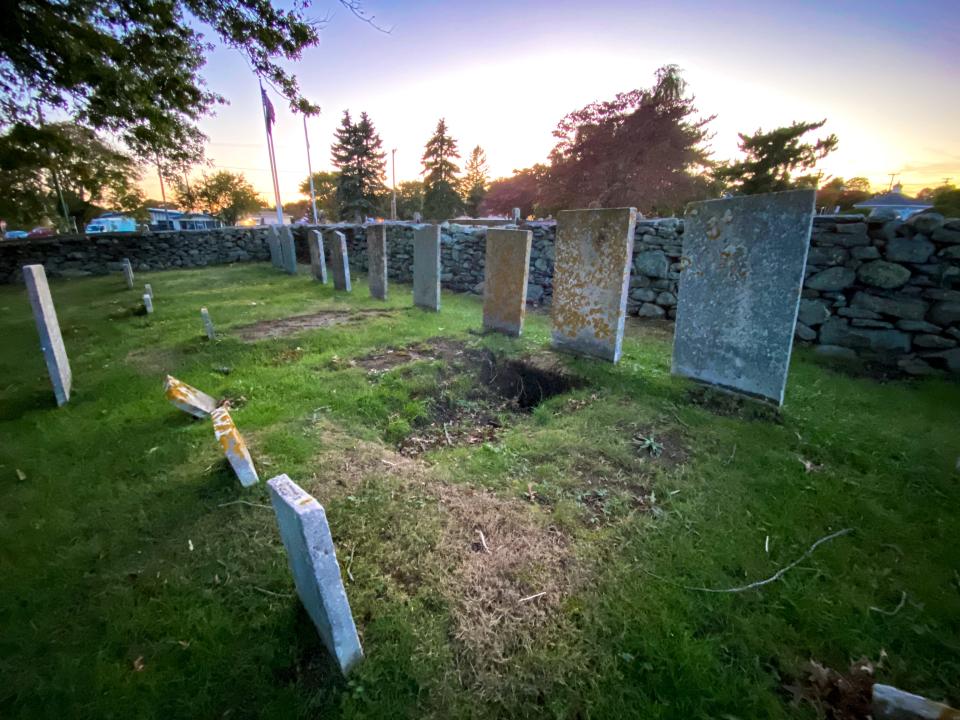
[(393, 198)]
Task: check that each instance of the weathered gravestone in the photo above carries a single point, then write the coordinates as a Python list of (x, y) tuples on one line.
[(591, 277), (506, 266), (316, 573), (426, 267), (273, 243), (128, 273), (417, 217), (148, 303), (515, 216), (51, 341), (148, 289), (188, 398), (743, 264), (377, 260), (208, 324), (318, 263), (234, 447), (288, 250), (340, 261)]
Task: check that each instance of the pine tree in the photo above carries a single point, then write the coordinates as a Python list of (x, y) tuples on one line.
[(441, 198), (357, 153), (475, 182)]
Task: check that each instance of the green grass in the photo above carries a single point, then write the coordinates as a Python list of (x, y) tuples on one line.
[(121, 546)]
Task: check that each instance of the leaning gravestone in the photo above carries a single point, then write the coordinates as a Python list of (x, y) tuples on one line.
[(591, 276), (188, 398), (234, 447), (426, 267), (148, 303), (742, 274), (288, 250), (507, 264), (377, 260), (316, 572), (148, 289), (128, 273), (51, 342), (273, 243), (318, 263), (208, 324), (340, 261)]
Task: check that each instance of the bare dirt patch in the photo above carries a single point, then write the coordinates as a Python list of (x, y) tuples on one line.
[(437, 348), (836, 695), (284, 327)]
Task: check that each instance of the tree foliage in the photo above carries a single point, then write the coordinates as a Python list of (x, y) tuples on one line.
[(773, 158), (441, 197), (409, 199), (945, 199), (357, 154), (522, 190), (645, 148), (325, 188), (843, 193), (475, 181), (226, 195)]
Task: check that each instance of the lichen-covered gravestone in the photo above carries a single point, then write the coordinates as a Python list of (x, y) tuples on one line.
[(377, 260), (426, 267), (128, 273), (340, 261), (316, 572), (288, 250), (51, 341), (273, 243), (506, 266), (188, 398), (742, 274), (591, 277), (208, 324), (318, 263), (234, 447)]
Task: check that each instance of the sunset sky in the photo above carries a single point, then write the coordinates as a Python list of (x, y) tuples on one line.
[(885, 74)]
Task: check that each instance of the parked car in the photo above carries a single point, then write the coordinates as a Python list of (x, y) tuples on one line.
[(15, 234), (39, 232)]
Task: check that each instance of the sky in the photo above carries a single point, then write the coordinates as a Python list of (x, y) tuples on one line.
[(884, 74)]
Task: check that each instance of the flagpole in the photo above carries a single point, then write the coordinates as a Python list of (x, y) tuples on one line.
[(313, 195), (268, 120)]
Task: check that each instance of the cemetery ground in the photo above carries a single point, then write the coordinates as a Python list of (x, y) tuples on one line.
[(521, 533)]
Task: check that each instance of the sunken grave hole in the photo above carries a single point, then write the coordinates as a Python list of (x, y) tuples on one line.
[(524, 383)]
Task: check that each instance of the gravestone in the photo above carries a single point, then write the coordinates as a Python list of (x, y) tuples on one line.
[(318, 263), (208, 324), (234, 447), (516, 216), (417, 217), (591, 277), (288, 250), (51, 341), (273, 243), (377, 260), (128, 273), (148, 303), (507, 265), (148, 289), (188, 398), (426, 267), (340, 261), (743, 265), (316, 572)]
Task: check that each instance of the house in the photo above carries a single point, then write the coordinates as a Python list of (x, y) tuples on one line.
[(111, 222), (896, 201), (167, 219)]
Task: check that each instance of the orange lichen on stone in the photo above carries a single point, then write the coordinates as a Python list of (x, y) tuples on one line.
[(507, 265), (188, 398), (234, 447)]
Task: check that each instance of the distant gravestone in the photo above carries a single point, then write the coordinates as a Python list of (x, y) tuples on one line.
[(208, 324), (516, 216), (51, 342), (507, 264), (426, 267), (273, 243), (591, 277), (288, 250), (316, 573), (340, 261), (318, 263), (377, 260), (148, 289), (743, 266), (128, 273), (234, 447), (148, 303), (417, 217)]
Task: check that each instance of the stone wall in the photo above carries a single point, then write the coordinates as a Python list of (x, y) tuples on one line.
[(82, 255)]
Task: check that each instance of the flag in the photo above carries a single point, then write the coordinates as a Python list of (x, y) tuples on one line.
[(268, 113)]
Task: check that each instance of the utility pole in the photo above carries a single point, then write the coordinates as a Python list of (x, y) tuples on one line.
[(163, 195), (393, 172), (313, 195)]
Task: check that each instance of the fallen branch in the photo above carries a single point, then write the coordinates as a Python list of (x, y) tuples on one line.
[(760, 583), (271, 592), (898, 608), (532, 597), (483, 541), (244, 502)]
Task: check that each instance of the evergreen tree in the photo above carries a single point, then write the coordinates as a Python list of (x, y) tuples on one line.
[(441, 199), (357, 154), (475, 182)]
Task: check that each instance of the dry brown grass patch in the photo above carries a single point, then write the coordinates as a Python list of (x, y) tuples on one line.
[(282, 327)]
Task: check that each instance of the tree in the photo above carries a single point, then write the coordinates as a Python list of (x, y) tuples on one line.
[(520, 191), (773, 157), (325, 189), (475, 181), (644, 148), (945, 199), (843, 193), (357, 154), (441, 199), (227, 195), (409, 198)]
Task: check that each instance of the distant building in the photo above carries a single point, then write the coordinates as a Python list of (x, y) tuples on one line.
[(265, 216), (111, 222), (167, 219), (896, 201)]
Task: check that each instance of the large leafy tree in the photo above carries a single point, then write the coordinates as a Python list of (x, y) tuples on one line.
[(843, 193), (645, 148), (325, 188), (945, 199), (441, 198), (773, 159), (475, 181), (358, 156), (409, 198), (225, 194), (522, 190)]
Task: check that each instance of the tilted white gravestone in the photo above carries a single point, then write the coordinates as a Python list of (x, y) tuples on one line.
[(51, 342), (148, 303), (128, 273), (208, 324), (148, 289), (318, 263)]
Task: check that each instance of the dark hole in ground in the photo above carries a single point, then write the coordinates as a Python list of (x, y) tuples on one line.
[(524, 383)]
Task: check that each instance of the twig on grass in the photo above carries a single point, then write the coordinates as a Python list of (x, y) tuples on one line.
[(759, 583), (271, 592), (898, 608), (483, 541), (244, 502), (532, 597), (350, 562), (447, 435)]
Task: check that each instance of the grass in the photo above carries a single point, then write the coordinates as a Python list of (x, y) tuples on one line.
[(135, 585)]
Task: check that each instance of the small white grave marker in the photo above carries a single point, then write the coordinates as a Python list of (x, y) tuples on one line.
[(148, 289), (148, 303), (208, 324)]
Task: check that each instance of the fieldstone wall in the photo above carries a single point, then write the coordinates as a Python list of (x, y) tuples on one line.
[(83, 255)]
